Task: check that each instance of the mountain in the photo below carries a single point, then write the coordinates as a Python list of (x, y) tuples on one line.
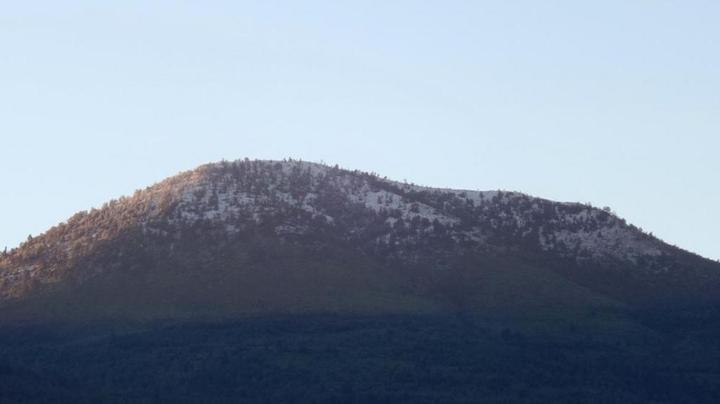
[(294, 282), (249, 237)]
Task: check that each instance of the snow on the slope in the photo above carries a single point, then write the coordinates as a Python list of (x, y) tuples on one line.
[(478, 197), (383, 200), (611, 239), (576, 231), (201, 201)]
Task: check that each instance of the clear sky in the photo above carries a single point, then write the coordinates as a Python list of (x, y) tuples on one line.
[(610, 102)]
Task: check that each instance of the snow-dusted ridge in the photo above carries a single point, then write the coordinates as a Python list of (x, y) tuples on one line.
[(299, 198), (571, 228)]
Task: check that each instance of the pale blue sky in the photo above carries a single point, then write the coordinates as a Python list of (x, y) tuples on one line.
[(611, 102)]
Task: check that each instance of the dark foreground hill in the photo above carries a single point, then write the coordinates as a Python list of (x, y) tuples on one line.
[(264, 281), (364, 359)]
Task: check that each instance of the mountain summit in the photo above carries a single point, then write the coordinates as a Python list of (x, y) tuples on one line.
[(291, 236)]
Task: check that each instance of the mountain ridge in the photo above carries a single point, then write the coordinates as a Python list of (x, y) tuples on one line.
[(428, 232)]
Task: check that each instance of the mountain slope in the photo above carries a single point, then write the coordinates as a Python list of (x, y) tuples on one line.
[(268, 236)]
